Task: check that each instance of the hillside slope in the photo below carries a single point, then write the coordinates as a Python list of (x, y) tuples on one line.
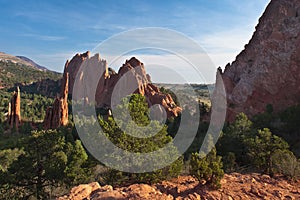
[(10, 58), (12, 74)]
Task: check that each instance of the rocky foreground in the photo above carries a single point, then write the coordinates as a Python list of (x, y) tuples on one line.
[(234, 186)]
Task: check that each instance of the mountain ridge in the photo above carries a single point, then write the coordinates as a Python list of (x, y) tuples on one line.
[(19, 73), (21, 60), (26, 59)]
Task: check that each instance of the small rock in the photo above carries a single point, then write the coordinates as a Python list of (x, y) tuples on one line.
[(106, 188), (288, 197)]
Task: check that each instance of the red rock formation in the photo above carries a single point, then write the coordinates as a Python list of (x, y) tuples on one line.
[(64, 100), (267, 70), (14, 110), (57, 115), (131, 75), (72, 67)]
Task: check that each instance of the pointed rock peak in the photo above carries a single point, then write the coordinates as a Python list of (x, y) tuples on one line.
[(87, 54), (97, 56), (134, 62), (80, 56)]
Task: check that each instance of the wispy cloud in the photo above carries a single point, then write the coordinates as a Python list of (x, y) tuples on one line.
[(171, 68), (109, 27), (148, 38), (224, 46), (43, 37), (63, 14), (54, 61)]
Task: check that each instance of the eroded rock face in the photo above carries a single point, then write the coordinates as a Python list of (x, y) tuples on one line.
[(57, 115), (72, 67), (14, 110), (132, 77), (112, 86), (267, 70)]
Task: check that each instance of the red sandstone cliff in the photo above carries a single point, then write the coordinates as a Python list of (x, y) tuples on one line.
[(267, 70), (133, 75), (72, 67)]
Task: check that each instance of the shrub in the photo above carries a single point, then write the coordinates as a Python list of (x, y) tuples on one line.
[(208, 168), (233, 139), (286, 163), (262, 147), (229, 162)]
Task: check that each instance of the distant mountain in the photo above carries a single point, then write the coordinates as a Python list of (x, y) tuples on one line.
[(28, 60), (17, 60), (21, 60), (18, 72)]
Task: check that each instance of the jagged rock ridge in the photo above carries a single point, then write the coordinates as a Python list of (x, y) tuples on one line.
[(267, 70), (131, 75)]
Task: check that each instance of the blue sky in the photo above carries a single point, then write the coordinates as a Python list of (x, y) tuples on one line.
[(50, 32)]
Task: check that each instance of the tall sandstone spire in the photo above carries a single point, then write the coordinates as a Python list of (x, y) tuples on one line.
[(57, 115), (14, 109)]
